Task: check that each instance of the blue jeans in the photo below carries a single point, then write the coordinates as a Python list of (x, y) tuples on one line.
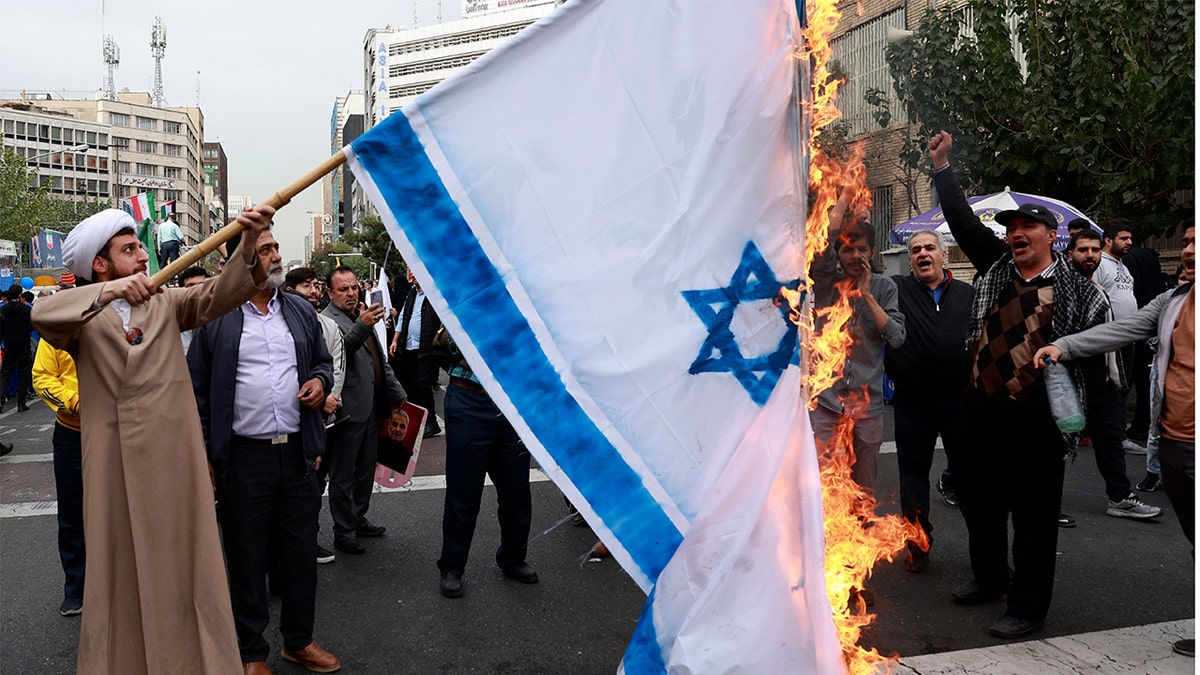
[(480, 441), (68, 483)]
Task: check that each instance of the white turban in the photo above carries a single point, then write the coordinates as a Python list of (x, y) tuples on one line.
[(84, 242)]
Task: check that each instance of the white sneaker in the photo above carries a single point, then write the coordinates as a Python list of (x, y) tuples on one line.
[(1132, 448), (1132, 507)]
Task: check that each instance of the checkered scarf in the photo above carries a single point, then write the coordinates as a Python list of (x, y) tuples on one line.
[(1078, 305)]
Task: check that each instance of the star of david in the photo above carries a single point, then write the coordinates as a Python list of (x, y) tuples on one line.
[(720, 353)]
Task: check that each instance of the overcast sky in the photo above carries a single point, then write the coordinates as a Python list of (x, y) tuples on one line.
[(268, 72)]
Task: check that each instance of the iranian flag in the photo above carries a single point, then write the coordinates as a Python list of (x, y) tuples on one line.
[(166, 210), (143, 206)]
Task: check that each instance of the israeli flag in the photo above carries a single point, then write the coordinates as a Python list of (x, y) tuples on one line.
[(603, 212)]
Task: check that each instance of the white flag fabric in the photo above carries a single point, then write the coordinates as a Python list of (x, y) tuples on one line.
[(603, 211)]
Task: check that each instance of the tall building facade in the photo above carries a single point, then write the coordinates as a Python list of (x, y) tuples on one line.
[(345, 109), (216, 180), (154, 150), (71, 154)]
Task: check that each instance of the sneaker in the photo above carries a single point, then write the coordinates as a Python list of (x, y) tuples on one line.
[(948, 495), (1186, 647), (1065, 521), (71, 607), (1132, 448), (917, 560), (324, 555), (1132, 507), (1150, 483)]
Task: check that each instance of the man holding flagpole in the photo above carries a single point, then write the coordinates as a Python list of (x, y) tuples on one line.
[(156, 595)]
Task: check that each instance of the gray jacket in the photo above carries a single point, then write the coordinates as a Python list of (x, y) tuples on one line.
[(358, 390), (1156, 319)]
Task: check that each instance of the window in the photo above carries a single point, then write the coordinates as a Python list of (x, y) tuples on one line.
[(172, 172), (172, 150), (881, 220), (122, 167), (149, 147), (91, 138), (172, 127), (103, 141), (124, 191), (122, 143), (104, 164), (118, 119), (68, 135), (146, 123), (56, 133), (861, 52), (171, 195), (147, 169)]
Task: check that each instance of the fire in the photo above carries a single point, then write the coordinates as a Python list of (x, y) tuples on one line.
[(855, 537)]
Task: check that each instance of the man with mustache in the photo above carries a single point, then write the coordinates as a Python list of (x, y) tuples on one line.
[(929, 373), (1026, 296), (156, 595), (260, 374)]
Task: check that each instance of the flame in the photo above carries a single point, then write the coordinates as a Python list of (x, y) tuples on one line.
[(855, 537)]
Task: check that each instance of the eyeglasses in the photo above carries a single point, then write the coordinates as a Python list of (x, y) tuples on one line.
[(134, 336)]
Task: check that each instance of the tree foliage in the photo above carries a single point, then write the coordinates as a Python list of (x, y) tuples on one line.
[(371, 238), (27, 206), (1103, 119), (329, 256)]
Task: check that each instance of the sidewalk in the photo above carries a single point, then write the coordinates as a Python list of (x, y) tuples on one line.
[(1138, 649)]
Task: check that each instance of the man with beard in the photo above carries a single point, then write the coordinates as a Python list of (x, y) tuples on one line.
[(1171, 317), (1106, 402), (260, 374), (156, 595), (1026, 296), (930, 374), (371, 390), (1117, 282)]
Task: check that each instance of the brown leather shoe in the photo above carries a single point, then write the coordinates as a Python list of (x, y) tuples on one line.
[(314, 658), (256, 668)]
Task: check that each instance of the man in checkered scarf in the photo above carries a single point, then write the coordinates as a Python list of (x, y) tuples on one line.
[(1026, 296)]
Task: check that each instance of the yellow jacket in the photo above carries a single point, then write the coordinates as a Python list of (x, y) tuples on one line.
[(55, 381)]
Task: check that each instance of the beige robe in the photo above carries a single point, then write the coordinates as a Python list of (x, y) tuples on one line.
[(156, 598)]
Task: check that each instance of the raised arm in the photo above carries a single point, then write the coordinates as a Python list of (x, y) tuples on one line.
[(975, 239)]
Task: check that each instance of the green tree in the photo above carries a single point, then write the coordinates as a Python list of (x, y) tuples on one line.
[(1103, 119), (327, 257), (27, 206), (373, 241)]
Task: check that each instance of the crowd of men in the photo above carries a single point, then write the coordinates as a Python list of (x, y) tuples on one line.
[(280, 391), (255, 368)]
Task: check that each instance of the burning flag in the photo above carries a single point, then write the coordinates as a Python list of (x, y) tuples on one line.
[(603, 211)]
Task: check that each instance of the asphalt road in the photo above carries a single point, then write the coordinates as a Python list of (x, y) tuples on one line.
[(381, 612)]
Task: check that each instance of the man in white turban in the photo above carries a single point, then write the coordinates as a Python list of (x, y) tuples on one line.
[(156, 599)]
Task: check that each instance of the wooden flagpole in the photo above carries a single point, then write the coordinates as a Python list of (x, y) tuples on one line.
[(226, 233)]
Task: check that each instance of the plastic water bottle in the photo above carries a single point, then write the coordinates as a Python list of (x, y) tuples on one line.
[(1064, 402)]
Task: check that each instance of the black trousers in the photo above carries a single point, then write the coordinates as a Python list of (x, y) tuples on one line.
[(920, 419), (1016, 468), (1178, 459), (479, 441), (352, 450), (68, 484), (1106, 424), (22, 363), (269, 499)]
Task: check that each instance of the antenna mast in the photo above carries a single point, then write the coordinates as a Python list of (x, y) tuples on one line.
[(112, 58), (158, 48)]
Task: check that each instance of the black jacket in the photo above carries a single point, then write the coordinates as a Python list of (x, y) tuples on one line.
[(213, 361), (933, 359), (15, 326), (430, 323)]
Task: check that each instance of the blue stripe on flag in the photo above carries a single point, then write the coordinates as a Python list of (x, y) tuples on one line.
[(643, 655), (393, 155)]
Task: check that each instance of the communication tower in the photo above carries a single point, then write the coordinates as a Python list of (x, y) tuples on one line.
[(112, 58), (158, 48)]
